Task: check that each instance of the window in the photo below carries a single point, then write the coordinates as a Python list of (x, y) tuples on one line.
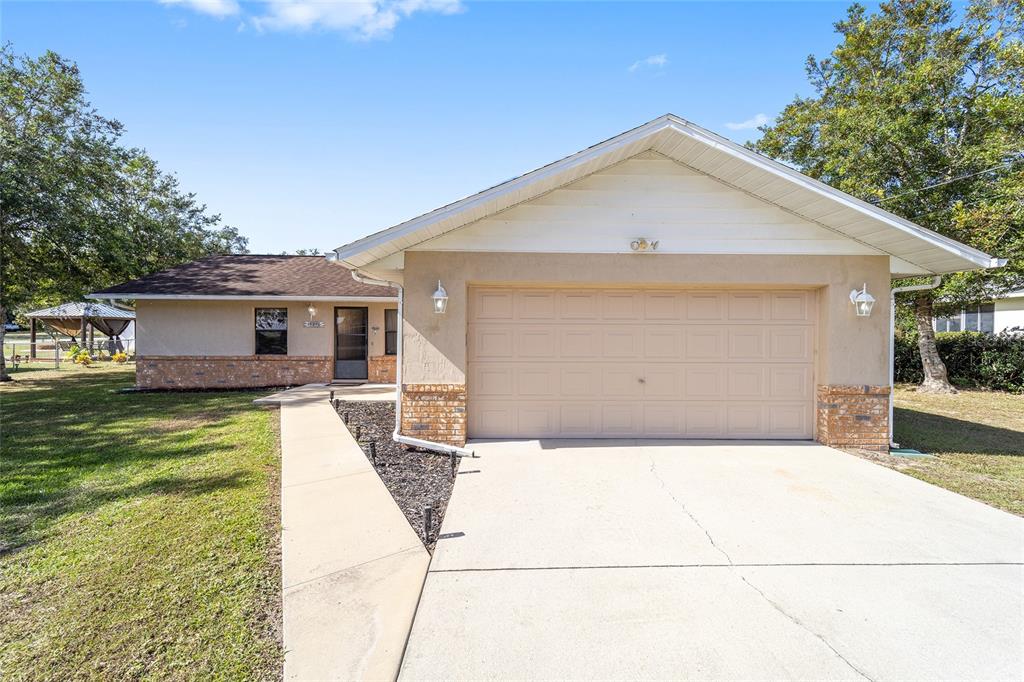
[(390, 332), (988, 317), (979, 318), (271, 331)]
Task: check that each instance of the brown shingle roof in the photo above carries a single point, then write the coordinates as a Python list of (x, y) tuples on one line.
[(250, 275)]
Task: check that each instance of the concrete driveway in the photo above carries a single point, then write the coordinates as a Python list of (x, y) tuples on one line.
[(655, 559)]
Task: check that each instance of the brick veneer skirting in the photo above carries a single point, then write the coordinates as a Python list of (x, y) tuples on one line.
[(381, 369), (435, 412), (853, 417), (231, 371)]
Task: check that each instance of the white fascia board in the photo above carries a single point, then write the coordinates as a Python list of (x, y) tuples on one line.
[(709, 138), (190, 297)]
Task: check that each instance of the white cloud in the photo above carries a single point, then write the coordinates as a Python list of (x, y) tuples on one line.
[(363, 19), (216, 8), (655, 61), (366, 19), (751, 123)]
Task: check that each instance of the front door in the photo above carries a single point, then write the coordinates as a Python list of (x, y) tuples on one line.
[(350, 343)]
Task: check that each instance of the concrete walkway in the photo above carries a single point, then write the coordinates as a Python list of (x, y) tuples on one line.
[(317, 392), (714, 560), (352, 567)]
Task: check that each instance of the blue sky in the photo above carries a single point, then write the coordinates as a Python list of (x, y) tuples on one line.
[(309, 124)]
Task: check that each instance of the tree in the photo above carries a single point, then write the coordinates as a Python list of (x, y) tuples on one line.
[(80, 211), (921, 111)]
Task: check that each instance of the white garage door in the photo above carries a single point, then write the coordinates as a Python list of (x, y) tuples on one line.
[(575, 363)]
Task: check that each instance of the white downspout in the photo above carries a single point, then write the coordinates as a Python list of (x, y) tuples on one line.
[(936, 280), (396, 435)]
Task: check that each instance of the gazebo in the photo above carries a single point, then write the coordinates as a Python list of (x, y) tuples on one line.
[(76, 319)]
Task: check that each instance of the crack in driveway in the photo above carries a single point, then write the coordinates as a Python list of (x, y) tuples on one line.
[(733, 568)]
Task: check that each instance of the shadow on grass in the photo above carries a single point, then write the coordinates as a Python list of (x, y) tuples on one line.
[(72, 444), (936, 433)]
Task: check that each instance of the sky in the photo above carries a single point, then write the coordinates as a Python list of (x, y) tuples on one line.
[(311, 123)]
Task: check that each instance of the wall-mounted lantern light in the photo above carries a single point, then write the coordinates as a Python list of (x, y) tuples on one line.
[(311, 309), (440, 299), (862, 301)]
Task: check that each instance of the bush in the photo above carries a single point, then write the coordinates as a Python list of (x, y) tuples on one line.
[(119, 357), (972, 359)]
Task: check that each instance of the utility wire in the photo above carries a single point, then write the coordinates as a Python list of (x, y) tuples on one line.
[(946, 182)]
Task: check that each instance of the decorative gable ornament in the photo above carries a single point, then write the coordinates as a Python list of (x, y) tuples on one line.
[(642, 244)]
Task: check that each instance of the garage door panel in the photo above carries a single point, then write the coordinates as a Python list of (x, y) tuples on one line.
[(704, 343), (492, 380), (703, 383), (790, 344), (663, 305), (534, 305), (579, 343), (580, 381), (663, 419), (788, 421), (579, 305), (533, 342), (746, 382), (620, 419), (704, 420), (745, 419), (634, 363), (492, 343), (624, 342), (790, 382), (490, 304), (705, 307), (662, 381), (663, 343), (792, 306), (579, 419), (747, 343), (537, 382), (620, 382), (746, 306), (620, 306)]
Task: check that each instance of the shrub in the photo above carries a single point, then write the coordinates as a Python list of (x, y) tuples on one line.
[(74, 350), (973, 359), (119, 357)]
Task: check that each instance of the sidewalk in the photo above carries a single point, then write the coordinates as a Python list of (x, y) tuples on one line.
[(352, 567)]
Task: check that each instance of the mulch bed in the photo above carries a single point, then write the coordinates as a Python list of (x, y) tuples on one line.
[(417, 479)]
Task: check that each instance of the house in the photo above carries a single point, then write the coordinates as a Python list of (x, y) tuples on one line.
[(664, 283), (247, 320), (1005, 312)]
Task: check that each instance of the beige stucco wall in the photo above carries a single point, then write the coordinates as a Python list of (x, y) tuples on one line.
[(198, 327), (851, 350)]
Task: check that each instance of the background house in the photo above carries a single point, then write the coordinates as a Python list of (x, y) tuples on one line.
[(1006, 312), (248, 320)]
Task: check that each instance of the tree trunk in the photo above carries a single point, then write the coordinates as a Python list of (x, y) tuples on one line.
[(935, 378), (4, 376)]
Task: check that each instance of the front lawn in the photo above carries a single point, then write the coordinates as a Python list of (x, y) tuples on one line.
[(977, 438), (138, 532)]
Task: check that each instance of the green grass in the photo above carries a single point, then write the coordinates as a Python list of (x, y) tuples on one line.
[(138, 532), (977, 438)]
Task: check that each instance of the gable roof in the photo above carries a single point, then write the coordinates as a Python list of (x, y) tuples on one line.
[(912, 249), (248, 276)]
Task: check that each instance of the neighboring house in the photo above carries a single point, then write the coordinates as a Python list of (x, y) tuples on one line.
[(665, 283), (246, 320), (1006, 312)]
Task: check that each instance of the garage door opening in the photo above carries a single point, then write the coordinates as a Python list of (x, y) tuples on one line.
[(614, 363)]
